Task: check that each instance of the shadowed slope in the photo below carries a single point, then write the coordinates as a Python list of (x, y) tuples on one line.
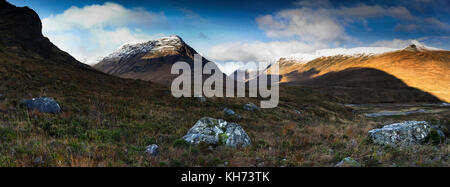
[(150, 61), (364, 85), (422, 69)]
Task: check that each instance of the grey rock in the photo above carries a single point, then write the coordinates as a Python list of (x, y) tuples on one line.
[(440, 133), (43, 104), (348, 162), (39, 161), (401, 134), (440, 129), (152, 150), (231, 112), (217, 132), (201, 99), (251, 107)]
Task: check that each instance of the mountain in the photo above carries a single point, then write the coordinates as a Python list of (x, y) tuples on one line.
[(30, 65), (416, 66), (21, 31), (150, 61)]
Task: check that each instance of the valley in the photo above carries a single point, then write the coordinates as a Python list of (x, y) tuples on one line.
[(112, 112)]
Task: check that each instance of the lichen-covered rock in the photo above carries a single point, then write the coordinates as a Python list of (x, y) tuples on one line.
[(43, 104), (251, 107), (152, 150), (401, 134), (348, 162), (217, 132)]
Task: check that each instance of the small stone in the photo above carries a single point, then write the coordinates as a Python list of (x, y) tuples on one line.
[(440, 129), (348, 162), (152, 150), (201, 99), (231, 112), (251, 107), (39, 161)]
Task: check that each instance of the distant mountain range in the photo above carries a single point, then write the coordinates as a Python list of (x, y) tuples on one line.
[(416, 66), (24, 49)]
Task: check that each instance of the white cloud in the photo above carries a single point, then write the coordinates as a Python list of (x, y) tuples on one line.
[(94, 31), (395, 43), (317, 25), (108, 14), (259, 51), (304, 23), (400, 44)]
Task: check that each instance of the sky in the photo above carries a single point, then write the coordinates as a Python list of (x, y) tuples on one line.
[(235, 32)]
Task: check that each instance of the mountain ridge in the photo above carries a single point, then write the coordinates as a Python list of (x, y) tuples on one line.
[(150, 61), (416, 66)]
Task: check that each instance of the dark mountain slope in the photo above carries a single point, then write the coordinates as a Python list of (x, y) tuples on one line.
[(151, 61)]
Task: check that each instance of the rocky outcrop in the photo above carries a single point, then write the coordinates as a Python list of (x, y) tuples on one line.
[(401, 134), (217, 132), (43, 104), (21, 31)]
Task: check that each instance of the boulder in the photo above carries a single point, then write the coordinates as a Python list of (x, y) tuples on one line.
[(251, 107), (217, 132), (152, 150), (401, 134), (348, 162), (43, 104)]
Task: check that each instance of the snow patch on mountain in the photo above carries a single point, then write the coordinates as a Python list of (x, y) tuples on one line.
[(357, 52), (134, 48)]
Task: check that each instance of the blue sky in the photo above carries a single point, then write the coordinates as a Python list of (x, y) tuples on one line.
[(242, 31)]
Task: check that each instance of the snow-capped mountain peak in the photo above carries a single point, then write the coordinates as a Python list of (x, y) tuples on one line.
[(172, 42), (416, 45)]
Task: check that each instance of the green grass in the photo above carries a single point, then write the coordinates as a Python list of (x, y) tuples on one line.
[(107, 121)]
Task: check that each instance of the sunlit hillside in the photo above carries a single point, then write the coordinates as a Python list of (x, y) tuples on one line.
[(422, 69)]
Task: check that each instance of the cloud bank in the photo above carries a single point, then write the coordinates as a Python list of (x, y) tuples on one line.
[(91, 32), (315, 25)]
